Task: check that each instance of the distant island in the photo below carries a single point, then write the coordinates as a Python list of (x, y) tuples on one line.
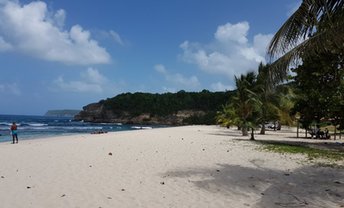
[(62, 113)]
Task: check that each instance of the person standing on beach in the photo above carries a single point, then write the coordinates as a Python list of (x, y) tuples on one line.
[(14, 133)]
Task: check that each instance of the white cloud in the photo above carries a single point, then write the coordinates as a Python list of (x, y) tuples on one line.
[(177, 79), (112, 36), (237, 33), (116, 37), (260, 43), (230, 52), (218, 86), (93, 76), (4, 46), (33, 30), (167, 89), (77, 86), (90, 81), (59, 18), (160, 68), (12, 89)]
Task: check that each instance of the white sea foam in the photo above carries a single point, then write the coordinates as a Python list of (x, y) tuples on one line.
[(141, 127), (5, 124), (41, 127), (37, 124)]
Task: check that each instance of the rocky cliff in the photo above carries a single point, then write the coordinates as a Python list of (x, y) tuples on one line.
[(97, 112)]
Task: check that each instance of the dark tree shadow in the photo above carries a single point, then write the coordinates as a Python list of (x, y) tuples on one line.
[(228, 133), (305, 187)]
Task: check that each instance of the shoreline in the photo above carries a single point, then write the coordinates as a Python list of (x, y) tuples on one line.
[(28, 137), (189, 166), (291, 131)]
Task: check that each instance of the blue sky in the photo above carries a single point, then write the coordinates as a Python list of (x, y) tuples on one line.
[(63, 54)]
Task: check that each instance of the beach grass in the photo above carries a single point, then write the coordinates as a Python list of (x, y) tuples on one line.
[(310, 152)]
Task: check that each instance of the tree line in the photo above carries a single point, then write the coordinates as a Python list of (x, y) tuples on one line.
[(310, 44), (135, 104)]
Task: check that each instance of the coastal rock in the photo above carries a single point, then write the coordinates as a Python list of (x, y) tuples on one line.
[(97, 113)]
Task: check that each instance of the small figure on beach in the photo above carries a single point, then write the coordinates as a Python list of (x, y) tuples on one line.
[(317, 132), (14, 133), (326, 134)]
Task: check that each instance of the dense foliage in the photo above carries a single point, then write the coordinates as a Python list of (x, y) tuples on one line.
[(312, 40), (313, 37), (314, 28), (245, 103), (169, 103), (319, 82), (257, 101)]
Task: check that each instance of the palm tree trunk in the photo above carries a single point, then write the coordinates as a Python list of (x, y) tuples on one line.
[(298, 128), (252, 134), (306, 132), (244, 130), (262, 130), (335, 132)]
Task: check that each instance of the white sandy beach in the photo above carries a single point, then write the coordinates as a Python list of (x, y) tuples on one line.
[(192, 166)]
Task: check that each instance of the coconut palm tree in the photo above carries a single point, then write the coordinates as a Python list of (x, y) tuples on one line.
[(317, 26), (246, 103), (268, 97), (243, 107)]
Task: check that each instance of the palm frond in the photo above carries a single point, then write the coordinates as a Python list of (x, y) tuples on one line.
[(325, 40), (304, 23)]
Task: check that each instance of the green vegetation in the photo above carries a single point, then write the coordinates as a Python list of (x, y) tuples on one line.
[(312, 153), (319, 86), (316, 27), (319, 79), (312, 41), (257, 101), (134, 104), (243, 106)]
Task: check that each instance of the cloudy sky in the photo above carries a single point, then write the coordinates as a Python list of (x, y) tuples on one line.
[(63, 54)]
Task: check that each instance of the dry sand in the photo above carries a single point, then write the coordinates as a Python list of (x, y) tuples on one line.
[(192, 166)]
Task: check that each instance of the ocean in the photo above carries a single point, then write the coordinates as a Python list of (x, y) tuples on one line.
[(32, 127)]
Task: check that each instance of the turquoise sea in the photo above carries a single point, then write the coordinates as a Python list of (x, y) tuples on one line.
[(32, 127)]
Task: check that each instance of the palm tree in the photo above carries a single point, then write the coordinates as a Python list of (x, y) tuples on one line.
[(317, 26), (267, 96), (245, 102), (227, 117), (285, 104), (243, 107)]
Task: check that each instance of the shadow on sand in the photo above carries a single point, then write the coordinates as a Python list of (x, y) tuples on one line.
[(304, 187), (227, 132)]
